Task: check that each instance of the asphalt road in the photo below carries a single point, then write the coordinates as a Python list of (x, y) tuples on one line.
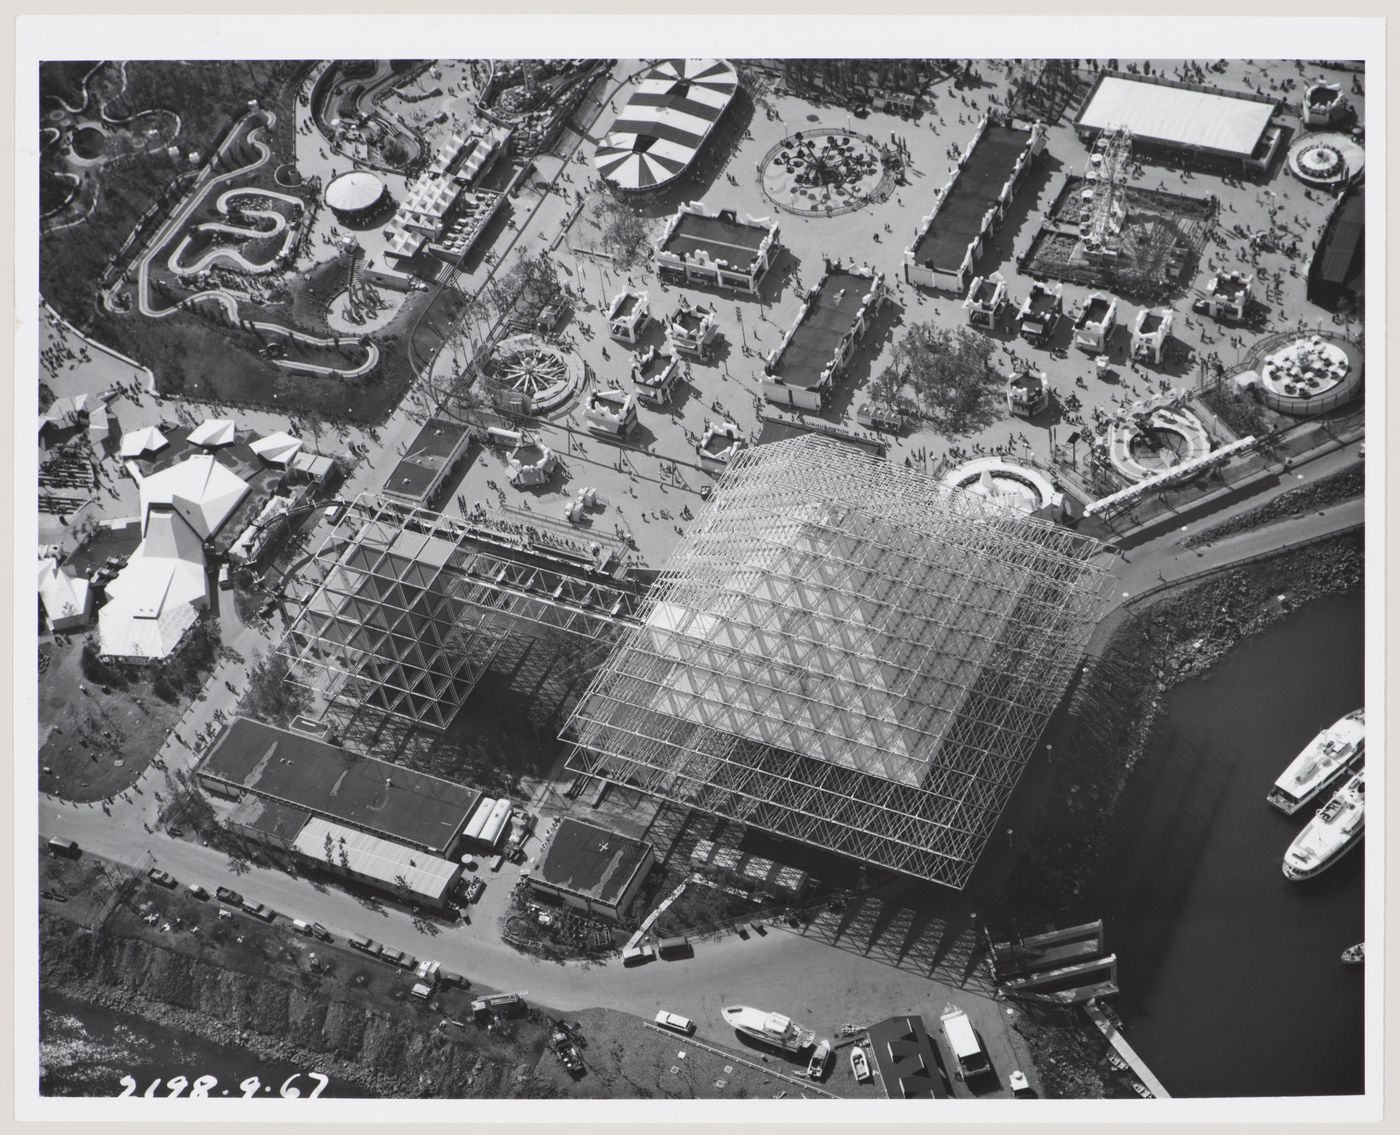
[(782, 970)]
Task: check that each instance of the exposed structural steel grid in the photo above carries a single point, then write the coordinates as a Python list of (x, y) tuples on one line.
[(847, 653), (412, 606)]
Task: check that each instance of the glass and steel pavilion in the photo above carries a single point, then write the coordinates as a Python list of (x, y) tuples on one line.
[(846, 653)]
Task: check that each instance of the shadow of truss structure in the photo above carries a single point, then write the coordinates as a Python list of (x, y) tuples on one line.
[(404, 609), (846, 653)]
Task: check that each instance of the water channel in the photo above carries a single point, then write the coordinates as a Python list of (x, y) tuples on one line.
[(1230, 975)]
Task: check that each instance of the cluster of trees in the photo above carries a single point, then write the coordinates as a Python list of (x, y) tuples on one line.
[(270, 696), (626, 233), (944, 376)]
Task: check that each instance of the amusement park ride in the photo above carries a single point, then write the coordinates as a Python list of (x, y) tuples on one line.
[(1107, 174)]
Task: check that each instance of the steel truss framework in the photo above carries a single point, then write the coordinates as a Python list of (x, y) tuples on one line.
[(846, 653), (412, 606)]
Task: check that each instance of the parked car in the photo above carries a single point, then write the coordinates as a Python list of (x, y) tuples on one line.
[(66, 848), (258, 910), (475, 888), (676, 1022), (229, 895), (364, 945), (198, 892), (301, 927), (321, 932), (638, 955), (164, 878), (393, 957)]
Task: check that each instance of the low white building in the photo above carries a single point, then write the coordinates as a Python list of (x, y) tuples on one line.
[(1151, 330), (67, 599), (1094, 322), (158, 596), (627, 317)]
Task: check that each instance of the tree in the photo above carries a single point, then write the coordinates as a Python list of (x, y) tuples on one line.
[(626, 234), (948, 374)]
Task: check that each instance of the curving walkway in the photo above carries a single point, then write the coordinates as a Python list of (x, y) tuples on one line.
[(280, 224), (229, 302)]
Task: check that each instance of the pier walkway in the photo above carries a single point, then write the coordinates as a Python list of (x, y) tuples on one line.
[(1125, 1050)]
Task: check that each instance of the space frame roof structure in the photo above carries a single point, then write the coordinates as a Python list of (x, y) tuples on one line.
[(1177, 115), (409, 606), (846, 653)]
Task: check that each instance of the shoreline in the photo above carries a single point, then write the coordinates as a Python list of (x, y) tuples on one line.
[(1134, 658)]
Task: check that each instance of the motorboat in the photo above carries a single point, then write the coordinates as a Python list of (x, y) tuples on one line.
[(772, 1029), (1354, 955), (816, 1067), (860, 1064), (1336, 751), (1335, 830)]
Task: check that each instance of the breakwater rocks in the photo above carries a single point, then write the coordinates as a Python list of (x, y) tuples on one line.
[(390, 1052), (1343, 486), (1138, 654)]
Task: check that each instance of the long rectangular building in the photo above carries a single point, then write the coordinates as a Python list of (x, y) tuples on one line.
[(293, 769), (429, 460), (972, 204), (803, 370), (1184, 120)]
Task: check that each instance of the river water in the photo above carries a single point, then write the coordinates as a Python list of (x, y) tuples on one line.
[(85, 1050), (1230, 977)]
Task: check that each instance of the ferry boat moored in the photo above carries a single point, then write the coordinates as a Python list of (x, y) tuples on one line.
[(1328, 757), (1335, 830)]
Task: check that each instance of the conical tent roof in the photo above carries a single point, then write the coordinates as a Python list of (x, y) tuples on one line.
[(213, 432), (277, 448), (200, 489), (145, 440)]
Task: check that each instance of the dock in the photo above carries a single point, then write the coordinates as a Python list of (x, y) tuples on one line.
[(1125, 1050)]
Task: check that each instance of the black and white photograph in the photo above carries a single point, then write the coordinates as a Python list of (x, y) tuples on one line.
[(612, 567)]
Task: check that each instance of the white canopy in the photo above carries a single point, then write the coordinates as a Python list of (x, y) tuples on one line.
[(213, 432), (200, 489), (155, 598), (146, 440), (276, 449)]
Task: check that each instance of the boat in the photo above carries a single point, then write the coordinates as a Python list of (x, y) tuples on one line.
[(1335, 830), (1354, 955), (860, 1064), (772, 1029), (816, 1067), (1143, 1090), (1336, 751)]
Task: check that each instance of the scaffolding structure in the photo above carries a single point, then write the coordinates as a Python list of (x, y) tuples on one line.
[(846, 653), (408, 607)]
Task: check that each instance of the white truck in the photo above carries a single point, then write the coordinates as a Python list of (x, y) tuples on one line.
[(970, 1056)]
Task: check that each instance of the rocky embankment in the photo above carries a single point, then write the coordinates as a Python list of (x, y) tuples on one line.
[(390, 1053), (1343, 486), (1138, 654)]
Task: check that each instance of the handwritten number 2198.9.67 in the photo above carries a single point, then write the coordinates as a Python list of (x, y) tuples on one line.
[(204, 1087)]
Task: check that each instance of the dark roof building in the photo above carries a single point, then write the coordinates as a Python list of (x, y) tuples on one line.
[(909, 1066), (593, 868), (972, 203), (815, 352), (1338, 269), (301, 772), (430, 458), (720, 249)]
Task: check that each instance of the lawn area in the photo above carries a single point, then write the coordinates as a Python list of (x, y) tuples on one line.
[(94, 745), (623, 1059)]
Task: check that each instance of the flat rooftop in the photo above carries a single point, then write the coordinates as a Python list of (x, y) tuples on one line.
[(973, 192), (366, 793), (1197, 117), (724, 237), (585, 859), (433, 448), (823, 325)]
